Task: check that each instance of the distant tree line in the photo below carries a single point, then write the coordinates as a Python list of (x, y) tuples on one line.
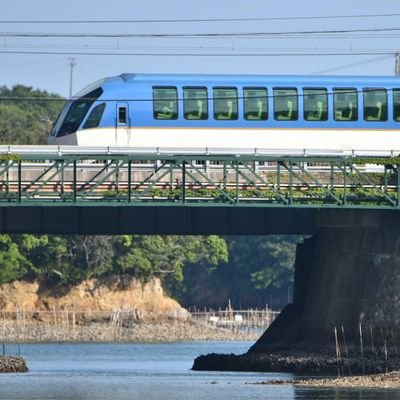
[(72, 259), (202, 271), (27, 114)]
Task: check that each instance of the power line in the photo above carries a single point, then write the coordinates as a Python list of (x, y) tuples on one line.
[(168, 21), (194, 35), (232, 54)]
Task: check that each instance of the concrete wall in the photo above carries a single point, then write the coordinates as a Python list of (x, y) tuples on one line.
[(347, 274)]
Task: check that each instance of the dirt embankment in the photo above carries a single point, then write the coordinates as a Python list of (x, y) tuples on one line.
[(115, 309), (148, 301)]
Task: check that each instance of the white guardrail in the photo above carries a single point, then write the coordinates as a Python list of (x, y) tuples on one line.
[(83, 150)]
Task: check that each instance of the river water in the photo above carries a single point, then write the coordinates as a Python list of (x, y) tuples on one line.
[(150, 372)]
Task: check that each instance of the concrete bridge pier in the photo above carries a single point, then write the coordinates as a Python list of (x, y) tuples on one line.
[(346, 275)]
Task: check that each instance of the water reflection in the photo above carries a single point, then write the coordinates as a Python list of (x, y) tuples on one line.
[(345, 394)]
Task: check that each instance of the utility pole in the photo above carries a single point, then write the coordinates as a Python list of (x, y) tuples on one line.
[(72, 64), (397, 67)]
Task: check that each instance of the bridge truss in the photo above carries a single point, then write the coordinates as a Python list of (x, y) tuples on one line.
[(44, 177)]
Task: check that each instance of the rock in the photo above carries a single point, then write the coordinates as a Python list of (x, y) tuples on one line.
[(12, 364), (296, 360)]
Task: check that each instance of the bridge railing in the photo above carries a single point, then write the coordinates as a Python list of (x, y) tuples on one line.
[(140, 178)]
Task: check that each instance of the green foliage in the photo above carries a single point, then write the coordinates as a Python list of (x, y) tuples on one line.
[(27, 121), (13, 265), (275, 266), (87, 257), (45, 253), (65, 259), (376, 160), (257, 267), (162, 256)]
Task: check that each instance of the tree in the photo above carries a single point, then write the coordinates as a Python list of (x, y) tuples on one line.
[(166, 256), (13, 265), (87, 257), (258, 266), (27, 121), (66, 259)]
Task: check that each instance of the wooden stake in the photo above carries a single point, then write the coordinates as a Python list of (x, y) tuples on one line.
[(386, 355), (338, 356), (362, 348), (345, 349)]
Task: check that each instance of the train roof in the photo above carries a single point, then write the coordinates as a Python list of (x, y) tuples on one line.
[(273, 79), (117, 83)]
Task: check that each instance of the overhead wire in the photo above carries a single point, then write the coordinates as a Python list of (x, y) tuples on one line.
[(232, 54), (355, 33), (194, 35), (201, 20)]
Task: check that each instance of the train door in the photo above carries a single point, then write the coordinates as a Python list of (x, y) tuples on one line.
[(123, 125)]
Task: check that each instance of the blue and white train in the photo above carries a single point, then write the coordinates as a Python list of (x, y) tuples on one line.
[(234, 111)]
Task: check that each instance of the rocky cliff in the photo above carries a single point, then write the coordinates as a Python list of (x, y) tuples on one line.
[(147, 300)]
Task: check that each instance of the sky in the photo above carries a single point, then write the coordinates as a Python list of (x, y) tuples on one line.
[(105, 38)]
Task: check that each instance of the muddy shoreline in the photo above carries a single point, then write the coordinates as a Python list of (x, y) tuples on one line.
[(390, 380), (102, 331)]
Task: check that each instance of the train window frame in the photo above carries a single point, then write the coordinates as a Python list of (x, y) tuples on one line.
[(380, 110), (255, 113), (348, 112), (292, 110), (223, 110), (165, 107), (315, 110), (396, 111), (199, 111), (95, 116)]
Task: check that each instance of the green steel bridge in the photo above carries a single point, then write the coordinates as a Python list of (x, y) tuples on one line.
[(114, 190)]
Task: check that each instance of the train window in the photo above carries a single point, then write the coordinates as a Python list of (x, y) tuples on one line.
[(195, 103), (165, 103), (77, 112), (94, 117), (345, 104), (315, 104), (255, 104), (225, 103), (396, 104), (285, 104), (375, 105), (122, 115)]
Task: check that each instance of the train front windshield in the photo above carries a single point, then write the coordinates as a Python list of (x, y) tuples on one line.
[(73, 113)]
